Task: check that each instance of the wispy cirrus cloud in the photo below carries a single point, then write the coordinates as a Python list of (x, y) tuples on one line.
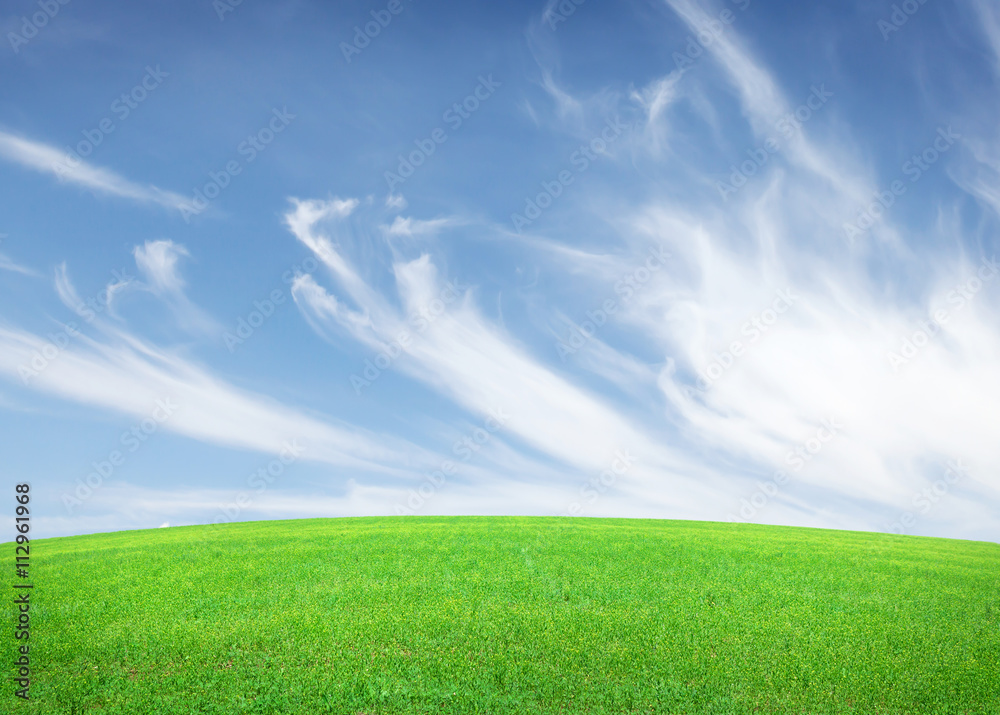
[(49, 160), (114, 370), (715, 371), (829, 356), (837, 351), (158, 261), (6, 264), (123, 374), (467, 358), (416, 227)]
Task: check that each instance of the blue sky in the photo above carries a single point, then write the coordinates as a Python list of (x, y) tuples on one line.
[(723, 261)]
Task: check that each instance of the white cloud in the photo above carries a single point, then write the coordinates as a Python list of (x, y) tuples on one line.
[(828, 356), (654, 100), (157, 260), (396, 202), (49, 160), (416, 227), (989, 16), (6, 264), (698, 452), (470, 360), (125, 375)]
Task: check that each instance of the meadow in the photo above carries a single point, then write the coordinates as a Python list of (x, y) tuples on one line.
[(510, 615)]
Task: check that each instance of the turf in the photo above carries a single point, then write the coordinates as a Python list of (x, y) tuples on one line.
[(511, 615)]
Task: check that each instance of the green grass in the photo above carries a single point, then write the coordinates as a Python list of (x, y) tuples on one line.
[(510, 615)]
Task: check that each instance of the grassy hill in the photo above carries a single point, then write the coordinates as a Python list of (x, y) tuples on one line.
[(510, 615)]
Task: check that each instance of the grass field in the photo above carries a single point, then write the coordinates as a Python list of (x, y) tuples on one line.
[(510, 615)]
